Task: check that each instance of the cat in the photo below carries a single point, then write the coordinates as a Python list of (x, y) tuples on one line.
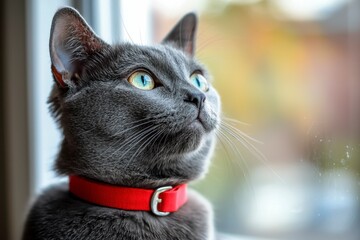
[(132, 116)]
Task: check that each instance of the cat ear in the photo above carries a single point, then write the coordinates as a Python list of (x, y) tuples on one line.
[(72, 41), (183, 34)]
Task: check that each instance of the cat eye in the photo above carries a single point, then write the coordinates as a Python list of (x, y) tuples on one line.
[(142, 80), (199, 81)]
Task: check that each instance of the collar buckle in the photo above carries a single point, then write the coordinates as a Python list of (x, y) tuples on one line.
[(155, 200)]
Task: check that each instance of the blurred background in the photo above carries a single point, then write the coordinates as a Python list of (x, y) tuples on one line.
[(288, 72)]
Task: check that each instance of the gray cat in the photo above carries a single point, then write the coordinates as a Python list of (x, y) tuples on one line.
[(132, 116)]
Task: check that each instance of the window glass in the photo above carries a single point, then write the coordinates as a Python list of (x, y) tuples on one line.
[(112, 21), (45, 137), (286, 164)]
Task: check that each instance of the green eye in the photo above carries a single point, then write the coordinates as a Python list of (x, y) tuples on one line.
[(199, 81), (141, 80)]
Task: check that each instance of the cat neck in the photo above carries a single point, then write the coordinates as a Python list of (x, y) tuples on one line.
[(147, 175)]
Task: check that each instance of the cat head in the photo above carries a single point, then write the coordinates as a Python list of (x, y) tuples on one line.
[(131, 115)]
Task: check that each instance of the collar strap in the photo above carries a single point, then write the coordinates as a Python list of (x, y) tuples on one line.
[(161, 201)]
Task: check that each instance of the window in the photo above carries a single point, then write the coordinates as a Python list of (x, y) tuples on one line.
[(112, 22), (45, 137), (290, 68)]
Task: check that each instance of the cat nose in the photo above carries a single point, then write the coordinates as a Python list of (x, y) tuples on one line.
[(196, 98)]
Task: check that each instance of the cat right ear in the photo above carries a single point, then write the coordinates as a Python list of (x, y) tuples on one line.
[(72, 41), (183, 34)]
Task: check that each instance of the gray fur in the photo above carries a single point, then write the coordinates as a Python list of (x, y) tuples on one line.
[(101, 114)]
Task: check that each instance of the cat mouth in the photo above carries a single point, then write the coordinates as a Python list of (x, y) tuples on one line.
[(198, 121)]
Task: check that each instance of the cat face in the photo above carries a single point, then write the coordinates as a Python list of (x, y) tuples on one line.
[(131, 115)]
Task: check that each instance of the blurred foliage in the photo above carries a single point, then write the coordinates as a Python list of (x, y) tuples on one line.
[(262, 67), (257, 62)]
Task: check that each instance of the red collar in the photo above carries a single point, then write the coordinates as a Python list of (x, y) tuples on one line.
[(160, 201)]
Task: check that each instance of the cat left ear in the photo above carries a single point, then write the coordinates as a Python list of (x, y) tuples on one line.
[(183, 34), (72, 41)]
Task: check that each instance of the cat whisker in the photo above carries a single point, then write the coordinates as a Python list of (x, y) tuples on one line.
[(125, 28), (164, 140), (236, 150), (119, 140), (127, 140), (88, 130), (235, 121), (138, 140), (143, 146), (161, 142), (227, 154), (223, 145), (131, 140), (127, 129), (250, 147), (243, 141), (241, 133), (239, 139), (163, 130), (209, 41), (137, 121), (159, 151)]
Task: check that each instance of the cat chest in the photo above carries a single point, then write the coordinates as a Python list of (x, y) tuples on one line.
[(69, 218)]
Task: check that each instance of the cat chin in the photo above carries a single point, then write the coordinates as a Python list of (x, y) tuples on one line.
[(193, 136), (197, 125)]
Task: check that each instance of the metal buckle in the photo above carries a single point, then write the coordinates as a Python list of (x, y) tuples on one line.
[(155, 200)]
